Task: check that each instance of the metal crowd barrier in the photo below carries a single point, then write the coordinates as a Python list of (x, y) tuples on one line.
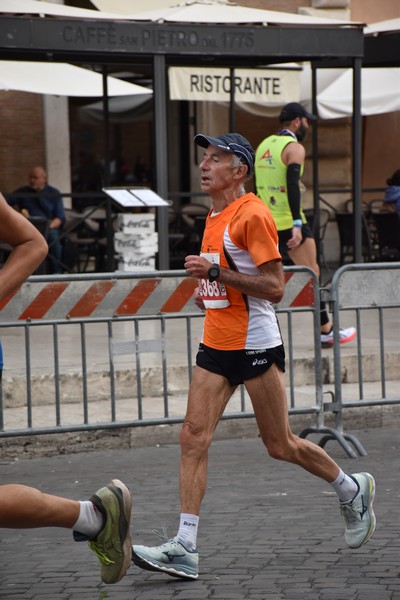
[(136, 320), (361, 288), (367, 290)]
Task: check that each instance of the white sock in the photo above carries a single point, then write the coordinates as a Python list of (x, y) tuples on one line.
[(187, 533), (345, 487), (90, 520)]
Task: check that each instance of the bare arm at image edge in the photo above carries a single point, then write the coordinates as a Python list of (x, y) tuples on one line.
[(29, 248)]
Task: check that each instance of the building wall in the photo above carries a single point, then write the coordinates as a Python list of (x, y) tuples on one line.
[(381, 151), (371, 11), (22, 137), (35, 131)]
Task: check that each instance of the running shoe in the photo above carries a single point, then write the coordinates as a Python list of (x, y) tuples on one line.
[(171, 557), (345, 335), (358, 513), (112, 545)]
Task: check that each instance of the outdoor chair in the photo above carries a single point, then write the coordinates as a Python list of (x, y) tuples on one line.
[(345, 223), (81, 241), (375, 206), (387, 225)]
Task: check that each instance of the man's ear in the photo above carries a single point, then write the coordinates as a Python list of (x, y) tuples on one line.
[(297, 122), (241, 171)]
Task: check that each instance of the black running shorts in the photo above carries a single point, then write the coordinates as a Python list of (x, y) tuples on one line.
[(239, 365), (285, 234)]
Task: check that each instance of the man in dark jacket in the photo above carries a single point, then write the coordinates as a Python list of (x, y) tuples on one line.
[(38, 199)]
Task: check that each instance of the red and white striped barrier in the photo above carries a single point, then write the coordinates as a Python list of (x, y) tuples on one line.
[(115, 297)]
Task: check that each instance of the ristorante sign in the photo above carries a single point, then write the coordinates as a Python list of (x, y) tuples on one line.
[(267, 86)]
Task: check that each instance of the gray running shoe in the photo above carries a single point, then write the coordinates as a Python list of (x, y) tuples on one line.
[(171, 557), (112, 545), (358, 513)]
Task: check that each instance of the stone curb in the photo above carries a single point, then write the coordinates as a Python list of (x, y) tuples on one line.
[(46, 445)]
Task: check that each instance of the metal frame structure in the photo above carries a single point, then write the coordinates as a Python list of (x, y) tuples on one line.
[(160, 45)]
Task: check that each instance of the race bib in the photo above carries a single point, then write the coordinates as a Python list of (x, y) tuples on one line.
[(213, 293)]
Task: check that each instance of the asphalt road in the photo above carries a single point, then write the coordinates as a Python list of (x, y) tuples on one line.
[(268, 530)]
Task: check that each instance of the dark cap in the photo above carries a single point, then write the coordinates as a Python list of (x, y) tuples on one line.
[(230, 142), (293, 110)]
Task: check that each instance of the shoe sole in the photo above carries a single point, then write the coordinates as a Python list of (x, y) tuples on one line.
[(149, 566), (127, 543), (371, 531), (350, 338)]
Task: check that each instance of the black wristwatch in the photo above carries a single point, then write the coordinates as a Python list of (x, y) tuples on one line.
[(213, 272)]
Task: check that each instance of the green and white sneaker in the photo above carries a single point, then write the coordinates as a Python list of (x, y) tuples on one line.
[(358, 513), (112, 545), (171, 557)]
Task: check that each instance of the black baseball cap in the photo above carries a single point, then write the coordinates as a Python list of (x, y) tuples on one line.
[(293, 110), (230, 142)]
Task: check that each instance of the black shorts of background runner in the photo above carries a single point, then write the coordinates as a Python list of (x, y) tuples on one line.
[(239, 365), (286, 234)]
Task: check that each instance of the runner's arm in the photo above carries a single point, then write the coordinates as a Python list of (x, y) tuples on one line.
[(268, 284), (29, 248)]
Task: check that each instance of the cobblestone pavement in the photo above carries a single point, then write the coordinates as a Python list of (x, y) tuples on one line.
[(268, 530)]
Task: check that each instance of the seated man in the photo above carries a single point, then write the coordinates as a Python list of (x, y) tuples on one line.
[(38, 199)]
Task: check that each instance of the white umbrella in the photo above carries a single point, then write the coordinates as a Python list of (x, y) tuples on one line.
[(388, 26), (214, 11), (129, 7), (35, 7), (379, 93), (62, 79), (121, 109)]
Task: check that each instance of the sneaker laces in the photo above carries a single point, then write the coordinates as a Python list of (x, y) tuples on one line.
[(100, 553), (349, 513), (163, 534)]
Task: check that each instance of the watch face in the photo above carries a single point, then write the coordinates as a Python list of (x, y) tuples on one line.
[(214, 271)]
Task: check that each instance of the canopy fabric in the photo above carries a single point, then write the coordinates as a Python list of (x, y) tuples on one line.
[(192, 11), (129, 7), (389, 26), (121, 109), (35, 7), (379, 93), (62, 79), (210, 11)]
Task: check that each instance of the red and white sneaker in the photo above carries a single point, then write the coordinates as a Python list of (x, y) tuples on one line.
[(345, 335)]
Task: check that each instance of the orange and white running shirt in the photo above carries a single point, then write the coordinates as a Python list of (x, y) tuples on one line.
[(241, 237)]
